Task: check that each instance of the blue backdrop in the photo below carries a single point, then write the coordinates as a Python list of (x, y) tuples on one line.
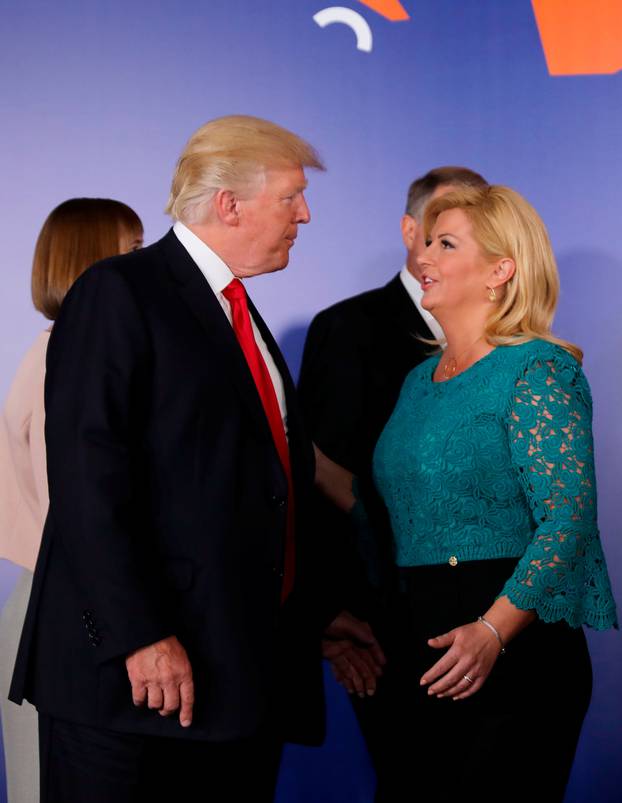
[(98, 98)]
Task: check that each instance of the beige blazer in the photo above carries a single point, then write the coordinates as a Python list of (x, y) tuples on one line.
[(23, 478)]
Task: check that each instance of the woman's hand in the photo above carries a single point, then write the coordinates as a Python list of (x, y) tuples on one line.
[(473, 650)]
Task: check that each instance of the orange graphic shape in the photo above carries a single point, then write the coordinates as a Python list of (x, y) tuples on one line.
[(580, 37), (391, 9)]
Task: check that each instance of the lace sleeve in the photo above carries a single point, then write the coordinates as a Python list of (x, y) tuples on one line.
[(562, 574)]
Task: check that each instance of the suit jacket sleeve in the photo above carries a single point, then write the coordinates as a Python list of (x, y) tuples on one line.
[(96, 375), (332, 388)]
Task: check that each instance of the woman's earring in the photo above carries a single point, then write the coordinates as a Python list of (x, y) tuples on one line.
[(491, 294)]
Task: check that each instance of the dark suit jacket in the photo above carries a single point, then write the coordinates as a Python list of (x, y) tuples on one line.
[(356, 357), (168, 508)]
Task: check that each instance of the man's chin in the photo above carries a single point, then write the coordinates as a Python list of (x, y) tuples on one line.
[(282, 263)]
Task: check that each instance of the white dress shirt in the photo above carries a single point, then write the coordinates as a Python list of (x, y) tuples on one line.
[(218, 276), (415, 291)]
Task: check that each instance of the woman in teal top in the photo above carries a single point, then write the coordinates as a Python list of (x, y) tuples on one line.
[(486, 468)]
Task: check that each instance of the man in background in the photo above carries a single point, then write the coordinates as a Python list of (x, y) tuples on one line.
[(356, 357)]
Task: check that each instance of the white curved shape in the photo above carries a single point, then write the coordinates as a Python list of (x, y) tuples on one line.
[(352, 19)]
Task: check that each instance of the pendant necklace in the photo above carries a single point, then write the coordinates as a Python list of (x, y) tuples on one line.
[(451, 364)]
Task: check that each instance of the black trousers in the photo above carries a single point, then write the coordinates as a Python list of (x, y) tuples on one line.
[(513, 740), (80, 764)]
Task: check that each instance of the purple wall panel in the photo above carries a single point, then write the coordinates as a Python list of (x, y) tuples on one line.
[(99, 98)]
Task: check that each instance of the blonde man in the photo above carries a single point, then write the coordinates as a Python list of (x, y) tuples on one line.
[(171, 639)]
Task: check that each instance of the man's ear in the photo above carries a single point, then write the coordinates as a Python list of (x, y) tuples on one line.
[(409, 227), (503, 271), (225, 205)]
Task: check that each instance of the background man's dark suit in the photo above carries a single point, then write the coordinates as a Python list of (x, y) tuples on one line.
[(168, 514), (356, 357)]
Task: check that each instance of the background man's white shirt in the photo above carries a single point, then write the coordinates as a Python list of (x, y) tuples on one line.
[(415, 291)]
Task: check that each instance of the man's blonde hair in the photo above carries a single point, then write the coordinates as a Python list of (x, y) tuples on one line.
[(506, 225), (229, 153)]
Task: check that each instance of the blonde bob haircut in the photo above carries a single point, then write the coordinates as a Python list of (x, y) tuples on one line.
[(505, 225), (76, 234), (230, 153)]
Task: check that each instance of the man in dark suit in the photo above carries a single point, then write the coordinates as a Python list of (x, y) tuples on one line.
[(356, 357), (178, 571)]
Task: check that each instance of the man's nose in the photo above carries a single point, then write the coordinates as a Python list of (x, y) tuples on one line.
[(303, 214)]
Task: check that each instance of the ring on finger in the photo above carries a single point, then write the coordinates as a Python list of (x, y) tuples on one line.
[(468, 679)]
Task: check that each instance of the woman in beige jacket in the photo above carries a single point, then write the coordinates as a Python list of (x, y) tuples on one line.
[(76, 234)]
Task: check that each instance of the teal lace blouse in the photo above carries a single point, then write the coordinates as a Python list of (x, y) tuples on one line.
[(498, 462)]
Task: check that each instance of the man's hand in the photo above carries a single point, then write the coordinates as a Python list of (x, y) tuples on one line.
[(161, 676), (352, 666), (355, 656)]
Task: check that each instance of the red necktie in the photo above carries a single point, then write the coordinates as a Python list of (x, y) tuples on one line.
[(235, 293)]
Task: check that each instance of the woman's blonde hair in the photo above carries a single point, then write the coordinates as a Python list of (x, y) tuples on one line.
[(76, 234), (228, 154), (505, 225)]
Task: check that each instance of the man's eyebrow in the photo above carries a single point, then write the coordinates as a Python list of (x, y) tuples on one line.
[(298, 188)]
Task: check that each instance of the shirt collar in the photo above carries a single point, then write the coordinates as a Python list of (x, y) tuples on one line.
[(216, 272), (415, 291), (412, 286)]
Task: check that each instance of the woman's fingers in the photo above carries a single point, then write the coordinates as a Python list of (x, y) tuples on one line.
[(440, 668), (469, 691), (455, 682), (470, 657)]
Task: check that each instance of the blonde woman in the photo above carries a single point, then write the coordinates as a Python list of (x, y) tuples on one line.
[(486, 468), (77, 233)]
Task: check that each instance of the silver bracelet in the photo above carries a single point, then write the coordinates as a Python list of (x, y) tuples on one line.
[(494, 630)]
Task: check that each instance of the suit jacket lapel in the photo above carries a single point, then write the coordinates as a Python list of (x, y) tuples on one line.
[(406, 315), (203, 304), (274, 350), (295, 428)]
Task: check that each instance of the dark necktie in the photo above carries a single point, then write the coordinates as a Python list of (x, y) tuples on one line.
[(235, 293)]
